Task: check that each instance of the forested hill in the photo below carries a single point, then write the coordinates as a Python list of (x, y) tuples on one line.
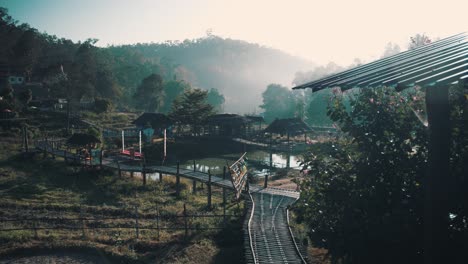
[(238, 69)]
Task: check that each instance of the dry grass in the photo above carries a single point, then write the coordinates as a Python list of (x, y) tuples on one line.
[(45, 188)]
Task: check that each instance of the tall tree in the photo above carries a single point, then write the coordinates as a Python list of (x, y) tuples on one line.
[(172, 89), (216, 99), (150, 93), (391, 49), (191, 108), (364, 199), (278, 102)]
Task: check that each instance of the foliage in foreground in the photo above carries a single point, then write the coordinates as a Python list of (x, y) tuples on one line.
[(363, 199)]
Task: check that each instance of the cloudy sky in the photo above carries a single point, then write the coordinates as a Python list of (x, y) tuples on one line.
[(318, 30)]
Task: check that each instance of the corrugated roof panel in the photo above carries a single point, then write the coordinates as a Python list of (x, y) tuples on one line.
[(441, 62)]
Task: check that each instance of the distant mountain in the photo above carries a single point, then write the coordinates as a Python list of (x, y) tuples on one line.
[(238, 69)]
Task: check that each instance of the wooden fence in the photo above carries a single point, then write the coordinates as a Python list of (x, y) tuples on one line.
[(153, 221)]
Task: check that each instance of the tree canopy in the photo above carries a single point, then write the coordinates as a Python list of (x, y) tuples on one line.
[(363, 196), (216, 99), (191, 108), (150, 93)]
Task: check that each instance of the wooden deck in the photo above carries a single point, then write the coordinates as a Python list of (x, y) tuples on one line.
[(119, 163)]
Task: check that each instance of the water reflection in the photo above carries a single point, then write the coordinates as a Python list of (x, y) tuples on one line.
[(259, 162)]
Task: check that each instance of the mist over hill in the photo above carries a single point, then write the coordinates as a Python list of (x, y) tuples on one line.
[(240, 70)]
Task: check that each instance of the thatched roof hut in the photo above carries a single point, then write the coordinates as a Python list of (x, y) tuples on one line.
[(81, 139), (155, 120), (228, 119), (231, 125), (255, 119), (288, 126)]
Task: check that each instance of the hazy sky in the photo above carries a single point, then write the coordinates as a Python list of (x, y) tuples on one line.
[(318, 30)]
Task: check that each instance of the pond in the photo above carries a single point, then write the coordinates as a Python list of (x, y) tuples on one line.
[(258, 162)]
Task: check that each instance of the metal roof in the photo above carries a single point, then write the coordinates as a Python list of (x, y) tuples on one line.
[(441, 62)]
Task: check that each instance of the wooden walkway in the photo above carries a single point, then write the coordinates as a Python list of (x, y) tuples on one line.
[(268, 237), (119, 163)]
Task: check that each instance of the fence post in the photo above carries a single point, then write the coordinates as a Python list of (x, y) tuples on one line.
[(157, 224), (26, 143), (194, 183), (36, 236), (185, 222), (45, 149), (224, 197), (144, 174), (265, 184), (209, 190), (160, 177), (100, 158), (82, 222), (178, 180), (120, 170), (137, 231)]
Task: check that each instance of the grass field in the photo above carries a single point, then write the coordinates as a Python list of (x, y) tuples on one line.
[(51, 193)]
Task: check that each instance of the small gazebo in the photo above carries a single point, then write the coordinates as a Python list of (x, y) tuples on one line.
[(230, 125), (83, 140), (157, 121), (288, 127), (84, 144)]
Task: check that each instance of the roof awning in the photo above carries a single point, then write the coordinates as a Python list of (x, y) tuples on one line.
[(442, 62)]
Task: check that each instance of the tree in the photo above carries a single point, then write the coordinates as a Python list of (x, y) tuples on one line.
[(6, 94), (107, 87), (191, 108), (363, 197), (102, 105), (150, 93), (316, 109), (418, 40), (25, 97), (216, 99), (172, 89), (390, 50), (278, 102)]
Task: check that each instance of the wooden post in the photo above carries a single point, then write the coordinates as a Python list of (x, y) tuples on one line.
[(137, 230), (160, 177), (83, 234), (194, 168), (265, 184), (100, 158), (143, 171), (36, 236), (194, 187), (178, 180), (120, 171), (209, 190), (438, 177), (26, 141), (157, 224), (185, 222), (45, 149), (224, 197)]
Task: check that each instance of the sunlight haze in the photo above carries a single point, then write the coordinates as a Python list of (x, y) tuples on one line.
[(319, 31)]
